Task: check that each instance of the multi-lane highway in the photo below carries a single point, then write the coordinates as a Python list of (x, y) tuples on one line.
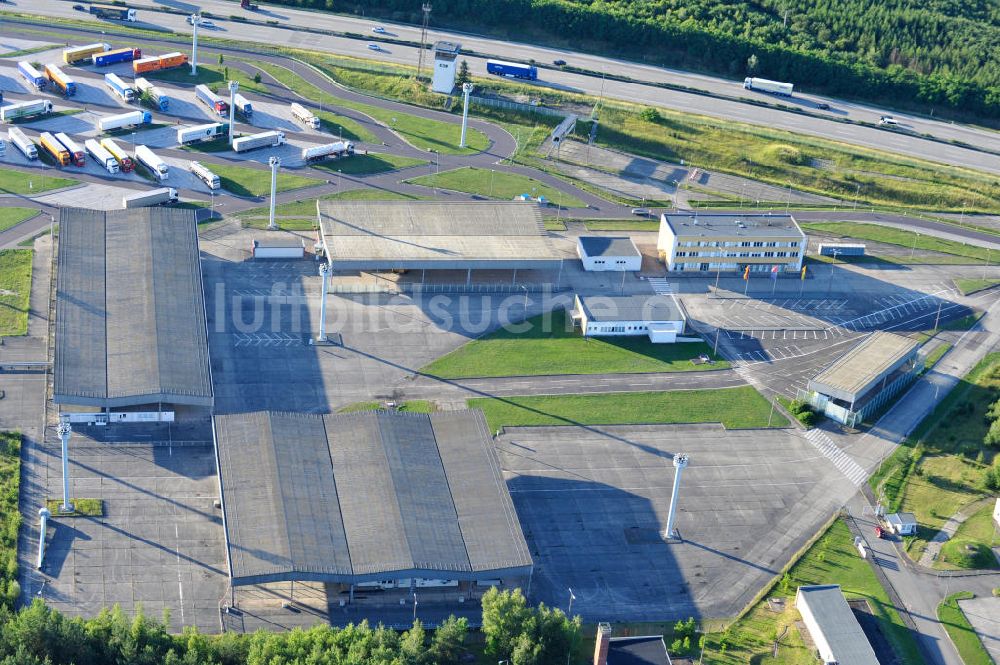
[(284, 21)]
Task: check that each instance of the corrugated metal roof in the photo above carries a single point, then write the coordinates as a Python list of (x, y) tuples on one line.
[(346, 497), (435, 234), (130, 309), (855, 373)]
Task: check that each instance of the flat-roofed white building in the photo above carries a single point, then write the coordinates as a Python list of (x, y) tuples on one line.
[(833, 627), (730, 242), (600, 253), (657, 316)]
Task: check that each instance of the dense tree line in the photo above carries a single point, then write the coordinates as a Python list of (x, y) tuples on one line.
[(522, 635), (939, 54)]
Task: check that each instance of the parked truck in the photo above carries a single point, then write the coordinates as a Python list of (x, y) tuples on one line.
[(34, 78), (202, 132), (115, 56), (113, 12), (58, 78), (262, 140), (159, 62), (101, 155), (212, 100), (23, 143), (304, 115), (124, 161), (204, 174), (320, 152), (153, 197), (153, 162), (26, 109), (130, 119), (56, 149), (243, 106), (512, 69), (76, 54), (764, 85), (120, 87), (76, 154), (152, 95)]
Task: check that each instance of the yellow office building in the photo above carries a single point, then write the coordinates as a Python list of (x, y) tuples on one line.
[(692, 241)]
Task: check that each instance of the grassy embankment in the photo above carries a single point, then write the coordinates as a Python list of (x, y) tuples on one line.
[(301, 215), (951, 252), (832, 559), (942, 465)]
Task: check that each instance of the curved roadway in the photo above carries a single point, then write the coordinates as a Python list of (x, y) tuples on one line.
[(285, 21)]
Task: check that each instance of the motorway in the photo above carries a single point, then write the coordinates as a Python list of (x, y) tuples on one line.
[(284, 33)]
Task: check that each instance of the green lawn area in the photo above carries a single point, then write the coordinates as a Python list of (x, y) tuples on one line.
[(301, 215), (807, 163), (970, 548), (214, 145), (20, 182), (894, 236), (970, 648), (551, 346), (15, 291), (967, 286), (422, 133), (343, 127), (622, 224), (936, 354), (213, 75), (733, 407), (831, 560), (412, 406), (243, 181), (10, 516), (81, 507), (496, 185), (361, 164), (13, 216), (940, 466)]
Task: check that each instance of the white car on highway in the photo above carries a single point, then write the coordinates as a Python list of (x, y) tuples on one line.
[(378, 30), (374, 47)]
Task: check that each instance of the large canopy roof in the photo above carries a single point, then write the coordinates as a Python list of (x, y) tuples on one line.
[(857, 372), (130, 309), (365, 496), (401, 235)]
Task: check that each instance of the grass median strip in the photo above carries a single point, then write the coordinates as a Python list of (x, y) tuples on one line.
[(81, 508), (301, 215), (496, 185), (965, 639), (368, 164), (10, 516), (411, 406), (243, 181), (15, 291), (733, 407), (551, 346), (13, 216), (967, 286)]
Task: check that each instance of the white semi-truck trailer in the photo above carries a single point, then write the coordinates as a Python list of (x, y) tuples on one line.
[(764, 85)]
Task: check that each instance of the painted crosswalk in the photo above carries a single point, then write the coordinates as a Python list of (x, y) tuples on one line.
[(661, 286), (854, 472)]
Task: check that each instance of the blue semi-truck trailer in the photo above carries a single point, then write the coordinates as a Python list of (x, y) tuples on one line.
[(116, 56), (512, 69), (34, 77)]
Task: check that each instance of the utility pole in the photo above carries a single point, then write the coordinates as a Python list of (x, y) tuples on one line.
[(64, 430), (234, 86), (466, 91), (195, 20), (423, 37), (274, 163), (324, 274)]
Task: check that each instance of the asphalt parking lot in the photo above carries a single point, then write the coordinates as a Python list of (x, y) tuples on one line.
[(159, 545), (593, 501)]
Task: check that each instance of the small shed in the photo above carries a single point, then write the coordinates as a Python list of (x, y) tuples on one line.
[(659, 317), (904, 524), (600, 253), (835, 631), (281, 247)]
